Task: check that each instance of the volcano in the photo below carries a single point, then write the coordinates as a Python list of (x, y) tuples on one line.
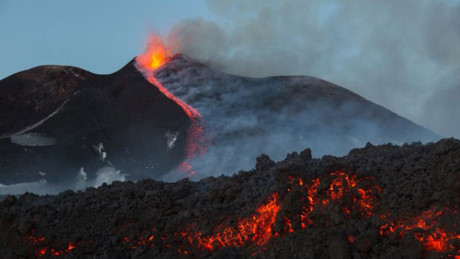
[(60, 123)]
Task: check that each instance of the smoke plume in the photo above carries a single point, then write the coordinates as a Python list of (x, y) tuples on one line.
[(403, 55), (244, 117)]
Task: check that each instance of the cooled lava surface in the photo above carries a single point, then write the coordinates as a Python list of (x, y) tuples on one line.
[(379, 201)]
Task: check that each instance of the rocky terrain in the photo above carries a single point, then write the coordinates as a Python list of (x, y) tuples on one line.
[(382, 201)]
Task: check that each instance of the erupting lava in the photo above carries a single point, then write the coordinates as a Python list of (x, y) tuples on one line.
[(155, 55)]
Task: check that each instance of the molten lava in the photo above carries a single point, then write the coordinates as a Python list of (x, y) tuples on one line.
[(254, 230), (342, 189), (426, 229), (155, 55), (41, 248)]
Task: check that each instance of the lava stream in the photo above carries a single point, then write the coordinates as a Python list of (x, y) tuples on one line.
[(155, 55), (195, 134)]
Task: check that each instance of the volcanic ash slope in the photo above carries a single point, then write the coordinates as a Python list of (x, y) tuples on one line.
[(244, 117)]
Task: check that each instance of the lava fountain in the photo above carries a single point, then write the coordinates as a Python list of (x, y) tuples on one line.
[(156, 55)]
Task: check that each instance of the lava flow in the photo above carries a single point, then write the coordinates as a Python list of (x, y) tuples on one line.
[(427, 229), (41, 249), (355, 196), (301, 204), (255, 230), (156, 54)]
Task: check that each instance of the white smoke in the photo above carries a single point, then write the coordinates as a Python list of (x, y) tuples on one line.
[(81, 181), (404, 55), (107, 175), (244, 117)]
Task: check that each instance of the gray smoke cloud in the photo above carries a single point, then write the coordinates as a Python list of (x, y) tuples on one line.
[(244, 117), (404, 55)]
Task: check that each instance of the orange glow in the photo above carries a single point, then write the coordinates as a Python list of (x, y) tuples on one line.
[(254, 230), (137, 242), (155, 54), (41, 247), (195, 135), (425, 229), (342, 189), (351, 239), (288, 224)]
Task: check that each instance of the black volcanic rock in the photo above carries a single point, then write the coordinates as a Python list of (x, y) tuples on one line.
[(376, 187), (121, 112)]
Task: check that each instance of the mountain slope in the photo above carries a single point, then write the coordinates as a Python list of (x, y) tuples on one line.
[(96, 120), (62, 124)]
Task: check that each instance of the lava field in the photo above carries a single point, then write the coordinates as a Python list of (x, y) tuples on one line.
[(382, 201)]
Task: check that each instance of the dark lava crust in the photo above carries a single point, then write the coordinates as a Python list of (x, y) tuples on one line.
[(373, 218)]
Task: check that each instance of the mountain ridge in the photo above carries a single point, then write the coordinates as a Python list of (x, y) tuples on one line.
[(131, 118)]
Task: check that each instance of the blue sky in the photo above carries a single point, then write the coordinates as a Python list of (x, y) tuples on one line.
[(97, 35), (403, 55)]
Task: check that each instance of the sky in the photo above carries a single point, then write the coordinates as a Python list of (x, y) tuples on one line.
[(403, 55), (100, 36)]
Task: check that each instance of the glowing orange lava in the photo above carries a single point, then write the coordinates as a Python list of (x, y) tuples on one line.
[(254, 230), (156, 55), (257, 229), (425, 228), (41, 248), (343, 189)]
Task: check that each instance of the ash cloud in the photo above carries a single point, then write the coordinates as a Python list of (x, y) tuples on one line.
[(244, 117), (403, 55)]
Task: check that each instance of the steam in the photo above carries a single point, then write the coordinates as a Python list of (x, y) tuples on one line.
[(403, 55), (79, 182), (245, 117)]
